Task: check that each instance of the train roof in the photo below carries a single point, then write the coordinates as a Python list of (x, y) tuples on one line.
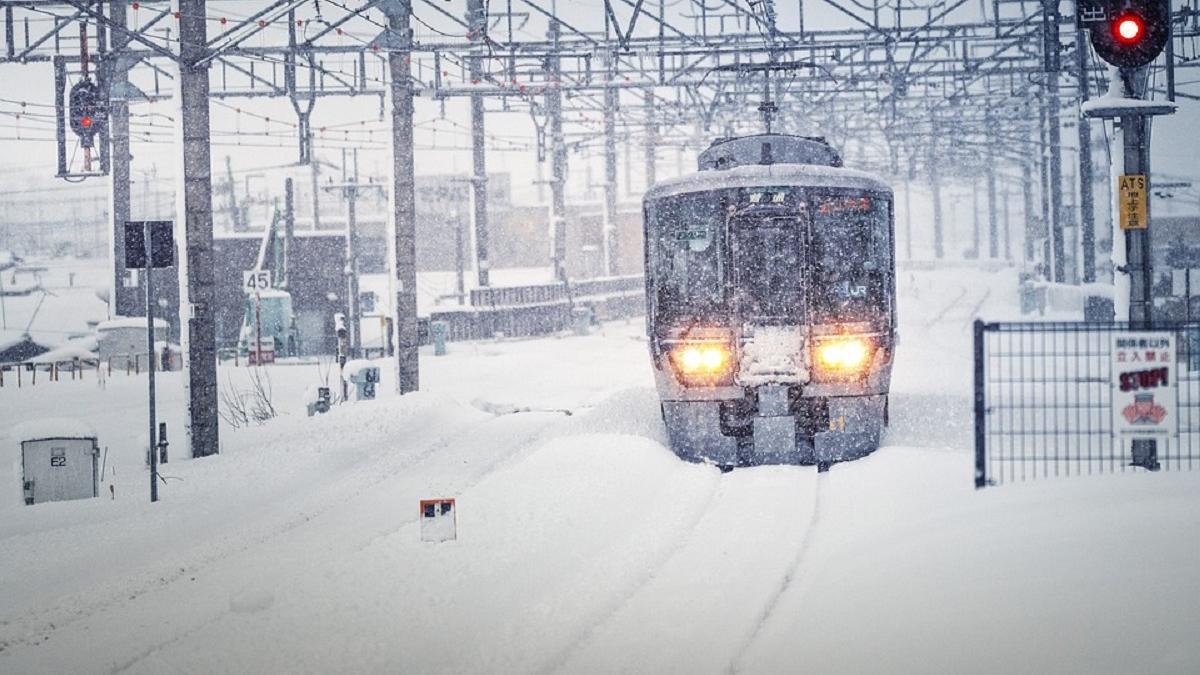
[(769, 175)]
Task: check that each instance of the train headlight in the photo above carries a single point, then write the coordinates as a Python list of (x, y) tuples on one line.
[(843, 356), (705, 363)]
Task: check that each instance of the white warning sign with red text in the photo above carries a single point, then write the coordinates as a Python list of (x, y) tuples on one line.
[(1143, 381)]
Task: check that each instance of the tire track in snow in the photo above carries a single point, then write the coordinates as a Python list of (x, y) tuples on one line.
[(793, 573), (606, 614), (718, 577)]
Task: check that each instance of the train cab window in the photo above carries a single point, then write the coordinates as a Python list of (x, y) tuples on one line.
[(767, 264), (851, 259), (687, 235)]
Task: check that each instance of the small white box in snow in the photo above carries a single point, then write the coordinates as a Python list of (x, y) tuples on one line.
[(438, 520), (59, 461)]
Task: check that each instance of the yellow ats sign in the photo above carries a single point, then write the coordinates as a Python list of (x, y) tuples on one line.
[(1132, 198)]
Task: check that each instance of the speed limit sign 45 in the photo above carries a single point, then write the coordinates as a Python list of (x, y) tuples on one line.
[(256, 280)]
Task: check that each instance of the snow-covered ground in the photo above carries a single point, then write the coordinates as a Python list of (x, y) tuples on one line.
[(583, 544)]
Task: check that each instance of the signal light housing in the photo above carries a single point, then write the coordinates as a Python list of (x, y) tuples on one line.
[(86, 110), (1127, 33)]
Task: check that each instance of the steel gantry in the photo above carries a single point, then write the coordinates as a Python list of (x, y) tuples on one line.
[(905, 87)]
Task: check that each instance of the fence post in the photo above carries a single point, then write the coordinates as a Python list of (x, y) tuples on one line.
[(980, 410)]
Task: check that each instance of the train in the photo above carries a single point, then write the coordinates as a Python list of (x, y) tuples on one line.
[(771, 304)]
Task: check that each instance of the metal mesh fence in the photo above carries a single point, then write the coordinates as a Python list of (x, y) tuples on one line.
[(1044, 401)]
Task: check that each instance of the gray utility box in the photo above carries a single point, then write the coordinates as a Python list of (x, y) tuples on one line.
[(59, 468)]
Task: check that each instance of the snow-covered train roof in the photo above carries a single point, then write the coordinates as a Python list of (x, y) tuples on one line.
[(769, 175)]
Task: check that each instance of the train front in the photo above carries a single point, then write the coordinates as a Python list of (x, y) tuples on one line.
[(770, 279)]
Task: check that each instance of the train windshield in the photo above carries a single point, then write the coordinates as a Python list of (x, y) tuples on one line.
[(767, 267), (687, 240), (850, 259)]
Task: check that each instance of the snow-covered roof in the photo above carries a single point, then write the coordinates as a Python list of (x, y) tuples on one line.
[(51, 427), (772, 174), (129, 322), (355, 366), (66, 352)]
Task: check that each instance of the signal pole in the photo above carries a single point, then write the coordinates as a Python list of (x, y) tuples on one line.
[(1129, 35)]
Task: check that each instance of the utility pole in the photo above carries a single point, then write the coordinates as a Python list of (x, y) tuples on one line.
[(1087, 214), (477, 21), (558, 160), (289, 231), (611, 241), (349, 188), (315, 165), (651, 145), (976, 246), (118, 124), (197, 295), (990, 171), (1046, 220), (1056, 181), (935, 186), (404, 217), (1006, 222), (907, 220), (1027, 207), (235, 214)]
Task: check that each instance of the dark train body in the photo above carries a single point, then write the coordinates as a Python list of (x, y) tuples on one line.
[(770, 278)]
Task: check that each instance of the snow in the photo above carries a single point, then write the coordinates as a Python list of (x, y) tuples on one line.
[(1116, 101), (50, 427), (129, 322), (771, 174), (583, 543), (355, 367), (64, 353)]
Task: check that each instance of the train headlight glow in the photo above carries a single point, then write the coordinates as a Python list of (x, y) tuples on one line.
[(701, 363), (843, 355)]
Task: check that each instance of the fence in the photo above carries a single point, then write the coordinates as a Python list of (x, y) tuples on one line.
[(526, 311), (26, 373), (1052, 399)]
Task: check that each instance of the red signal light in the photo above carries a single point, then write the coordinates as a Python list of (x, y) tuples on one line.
[(1128, 29), (86, 122)]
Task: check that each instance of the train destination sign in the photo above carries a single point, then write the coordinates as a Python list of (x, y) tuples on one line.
[(1143, 385)]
